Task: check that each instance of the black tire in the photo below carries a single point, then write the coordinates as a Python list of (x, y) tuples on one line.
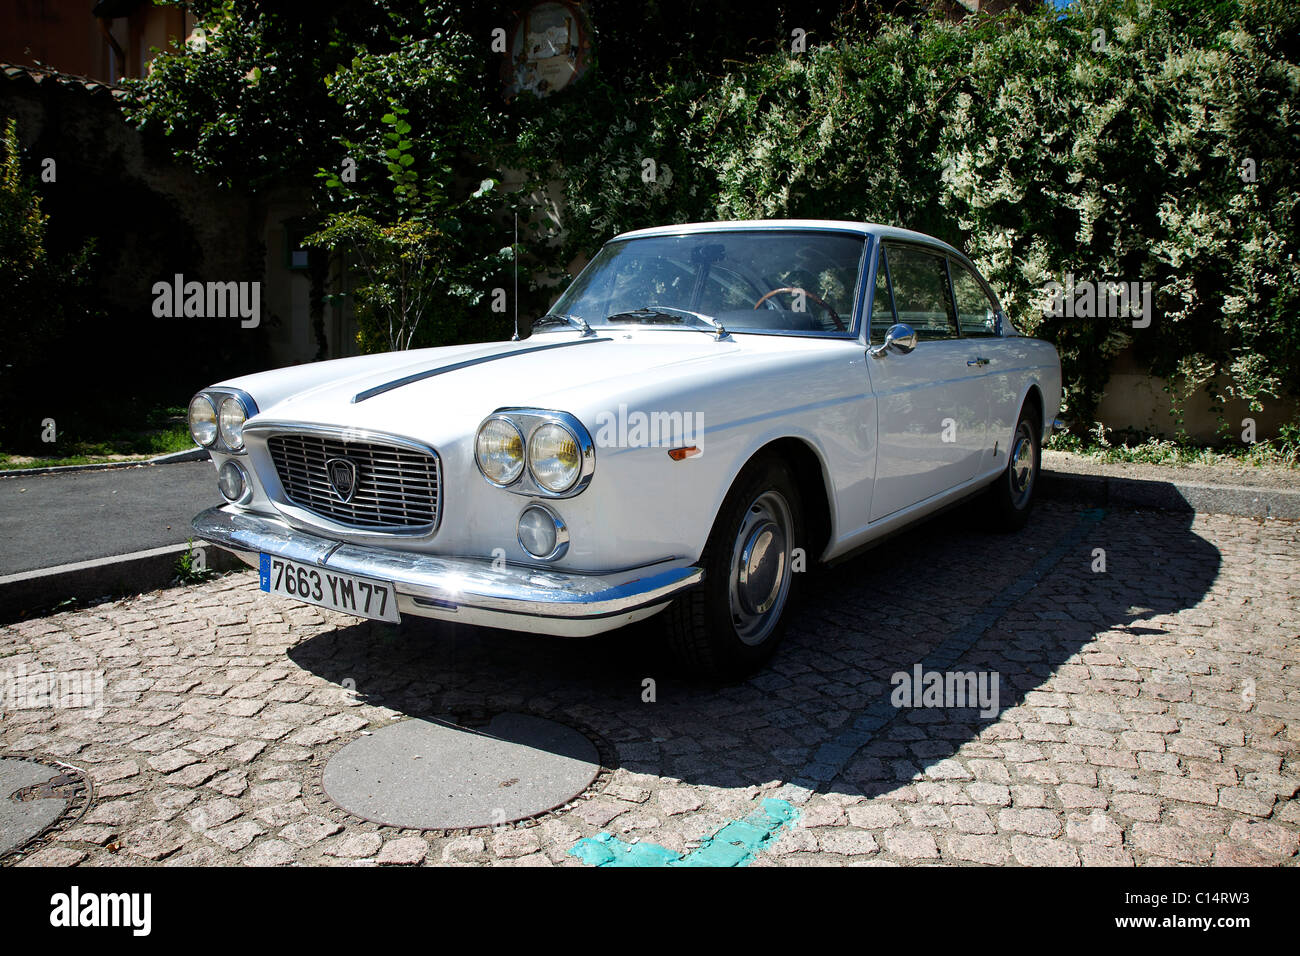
[(1011, 496), (713, 631)]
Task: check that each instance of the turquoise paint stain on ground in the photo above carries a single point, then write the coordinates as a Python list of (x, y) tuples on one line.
[(736, 844)]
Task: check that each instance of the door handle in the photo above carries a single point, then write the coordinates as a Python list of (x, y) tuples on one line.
[(977, 361)]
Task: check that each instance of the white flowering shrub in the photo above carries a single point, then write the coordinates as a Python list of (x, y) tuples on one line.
[(1144, 141)]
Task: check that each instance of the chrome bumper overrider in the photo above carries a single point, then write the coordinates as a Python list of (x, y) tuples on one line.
[(465, 589)]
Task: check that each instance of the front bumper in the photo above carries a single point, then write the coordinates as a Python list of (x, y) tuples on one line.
[(470, 590)]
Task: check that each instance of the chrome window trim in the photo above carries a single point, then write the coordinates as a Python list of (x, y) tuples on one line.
[(294, 511), (940, 252), (731, 332), (849, 334), (962, 263), (879, 263)]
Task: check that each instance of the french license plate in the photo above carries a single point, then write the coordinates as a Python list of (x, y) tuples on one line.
[(364, 597)]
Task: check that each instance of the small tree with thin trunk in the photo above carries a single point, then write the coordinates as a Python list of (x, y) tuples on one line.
[(406, 245)]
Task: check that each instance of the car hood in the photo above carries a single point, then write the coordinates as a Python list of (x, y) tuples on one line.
[(431, 391)]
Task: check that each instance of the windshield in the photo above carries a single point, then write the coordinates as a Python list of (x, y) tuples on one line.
[(793, 281)]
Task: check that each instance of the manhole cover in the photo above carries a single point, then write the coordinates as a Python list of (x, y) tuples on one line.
[(427, 775), (33, 797)]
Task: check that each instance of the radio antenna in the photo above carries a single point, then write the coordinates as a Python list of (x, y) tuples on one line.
[(516, 248)]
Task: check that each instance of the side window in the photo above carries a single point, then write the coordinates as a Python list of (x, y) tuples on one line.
[(920, 282), (976, 313), (882, 303)]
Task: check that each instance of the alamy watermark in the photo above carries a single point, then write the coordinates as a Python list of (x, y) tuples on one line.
[(638, 429), (923, 688), (52, 690), (208, 300), (74, 909), (1087, 299)]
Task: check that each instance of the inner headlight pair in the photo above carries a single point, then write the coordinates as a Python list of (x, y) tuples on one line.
[(207, 421), (553, 453)]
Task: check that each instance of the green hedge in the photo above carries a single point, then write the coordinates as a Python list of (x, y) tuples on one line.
[(1024, 139)]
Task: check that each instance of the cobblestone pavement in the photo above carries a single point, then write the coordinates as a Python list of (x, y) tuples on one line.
[(1149, 713)]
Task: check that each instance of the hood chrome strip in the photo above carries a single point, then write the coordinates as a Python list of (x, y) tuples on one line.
[(482, 359)]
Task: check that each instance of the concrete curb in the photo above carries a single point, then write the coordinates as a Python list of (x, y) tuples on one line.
[(1185, 497), (134, 573), (192, 454)]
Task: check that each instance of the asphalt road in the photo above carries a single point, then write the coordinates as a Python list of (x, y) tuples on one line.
[(48, 520)]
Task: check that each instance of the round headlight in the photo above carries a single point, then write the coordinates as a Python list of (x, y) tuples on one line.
[(231, 481), (203, 420), (499, 450), (542, 534), (555, 457), (231, 423)]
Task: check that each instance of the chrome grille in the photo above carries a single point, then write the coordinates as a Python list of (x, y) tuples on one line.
[(398, 488)]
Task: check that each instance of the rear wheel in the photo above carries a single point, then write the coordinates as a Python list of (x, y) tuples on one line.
[(734, 620), (1012, 495)]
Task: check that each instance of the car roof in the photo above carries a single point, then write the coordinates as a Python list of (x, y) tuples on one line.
[(876, 229)]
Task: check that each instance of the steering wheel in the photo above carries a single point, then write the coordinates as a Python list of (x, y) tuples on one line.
[(839, 323)]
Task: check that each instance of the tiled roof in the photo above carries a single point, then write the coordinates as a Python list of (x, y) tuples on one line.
[(38, 75)]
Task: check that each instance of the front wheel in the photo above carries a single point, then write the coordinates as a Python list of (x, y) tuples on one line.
[(1011, 496), (733, 621)]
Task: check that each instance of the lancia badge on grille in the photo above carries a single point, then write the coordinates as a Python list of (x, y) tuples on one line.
[(342, 475)]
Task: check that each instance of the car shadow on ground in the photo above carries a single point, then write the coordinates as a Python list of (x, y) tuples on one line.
[(1019, 607)]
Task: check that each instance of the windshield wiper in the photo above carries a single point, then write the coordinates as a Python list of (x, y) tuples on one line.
[(664, 311), (577, 321)]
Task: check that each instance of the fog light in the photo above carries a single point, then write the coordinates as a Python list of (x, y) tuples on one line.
[(542, 534), (232, 481)]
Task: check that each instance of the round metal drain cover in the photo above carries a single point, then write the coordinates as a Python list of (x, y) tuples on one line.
[(33, 797), (426, 775)]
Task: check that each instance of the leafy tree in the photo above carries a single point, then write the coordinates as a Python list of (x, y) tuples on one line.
[(412, 257), (412, 198), (243, 99), (265, 96)]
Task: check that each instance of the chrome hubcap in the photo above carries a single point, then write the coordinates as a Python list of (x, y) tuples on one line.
[(760, 568), (1021, 471)]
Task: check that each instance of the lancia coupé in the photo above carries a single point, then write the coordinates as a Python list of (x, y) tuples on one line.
[(704, 413)]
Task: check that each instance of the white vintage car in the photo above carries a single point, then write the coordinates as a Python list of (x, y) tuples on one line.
[(705, 412)]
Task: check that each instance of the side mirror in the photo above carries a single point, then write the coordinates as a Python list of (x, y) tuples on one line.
[(900, 338)]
